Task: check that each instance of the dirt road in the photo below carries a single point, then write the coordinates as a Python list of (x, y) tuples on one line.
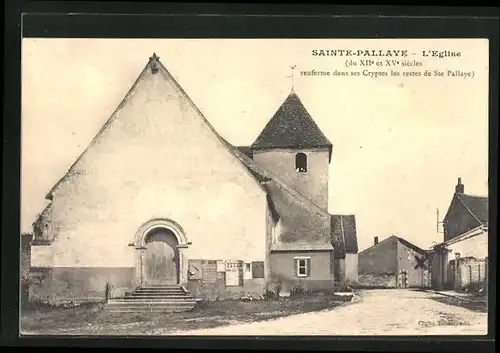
[(378, 312)]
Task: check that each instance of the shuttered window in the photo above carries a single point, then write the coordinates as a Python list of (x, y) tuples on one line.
[(302, 266), (258, 269)]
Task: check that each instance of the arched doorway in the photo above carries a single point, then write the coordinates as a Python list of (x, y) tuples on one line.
[(161, 258)]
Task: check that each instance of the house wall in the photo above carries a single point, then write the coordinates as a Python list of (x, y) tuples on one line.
[(339, 273), (472, 247), (458, 220), (156, 159), (212, 282), (380, 258), (377, 266), (41, 256), (476, 246), (313, 184), (283, 271), (408, 262), (351, 269)]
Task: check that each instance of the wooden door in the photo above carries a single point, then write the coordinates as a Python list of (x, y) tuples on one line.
[(451, 275), (161, 259)]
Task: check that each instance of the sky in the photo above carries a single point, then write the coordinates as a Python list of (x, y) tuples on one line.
[(399, 143)]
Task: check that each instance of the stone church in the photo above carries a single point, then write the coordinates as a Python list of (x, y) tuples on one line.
[(159, 198)]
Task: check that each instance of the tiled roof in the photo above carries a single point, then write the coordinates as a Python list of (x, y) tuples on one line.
[(291, 127), (476, 205), (411, 246), (394, 239)]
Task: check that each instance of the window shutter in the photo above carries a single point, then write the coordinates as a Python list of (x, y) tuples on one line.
[(308, 267), (296, 267), (258, 269)]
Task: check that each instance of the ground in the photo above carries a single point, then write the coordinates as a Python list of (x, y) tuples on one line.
[(93, 320), (378, 312), (373, 312)]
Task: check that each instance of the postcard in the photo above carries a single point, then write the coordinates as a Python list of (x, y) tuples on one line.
[(254, 187)]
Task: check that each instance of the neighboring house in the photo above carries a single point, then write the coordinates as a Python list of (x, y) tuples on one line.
[(393, 262), (461, 259), (160, 198)]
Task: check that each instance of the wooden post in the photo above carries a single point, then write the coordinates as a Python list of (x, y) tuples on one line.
[(486, 274)]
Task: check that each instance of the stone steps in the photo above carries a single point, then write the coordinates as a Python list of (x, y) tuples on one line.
[(155, 292), (153, 299)]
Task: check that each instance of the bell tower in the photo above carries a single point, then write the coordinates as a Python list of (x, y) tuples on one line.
[(292, 147)]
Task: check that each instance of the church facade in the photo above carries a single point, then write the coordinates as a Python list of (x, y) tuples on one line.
[(160, 198)]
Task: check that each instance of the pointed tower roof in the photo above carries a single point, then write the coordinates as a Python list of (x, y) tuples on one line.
[(291, 127)]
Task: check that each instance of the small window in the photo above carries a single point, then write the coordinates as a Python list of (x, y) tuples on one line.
[(248, 267), (301, 162), (303, 267), (258, 269)]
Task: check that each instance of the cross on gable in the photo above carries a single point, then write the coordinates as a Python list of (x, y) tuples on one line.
[(292, 75), (154, 63)]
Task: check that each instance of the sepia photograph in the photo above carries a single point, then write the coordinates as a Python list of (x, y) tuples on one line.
[(254, 187)]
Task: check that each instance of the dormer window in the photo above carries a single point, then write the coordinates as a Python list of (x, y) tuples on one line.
[(301, 162)]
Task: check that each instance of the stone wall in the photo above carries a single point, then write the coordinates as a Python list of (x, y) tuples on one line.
[(377, 280)]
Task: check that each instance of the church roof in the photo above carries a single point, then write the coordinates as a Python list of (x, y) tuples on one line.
[(291, 127), (306, 226), (154, 65), (476, 205)]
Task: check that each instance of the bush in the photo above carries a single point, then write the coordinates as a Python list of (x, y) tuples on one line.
[(475, 288), (271, 295), (299, 291)]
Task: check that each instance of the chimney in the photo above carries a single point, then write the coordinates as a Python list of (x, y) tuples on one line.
[(375, 240), (459, 189)]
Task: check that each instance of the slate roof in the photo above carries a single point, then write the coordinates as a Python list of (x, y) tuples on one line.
[(337, 237), (306, 226), (291, 127), (476, 205), (344, 237), (350, 234)]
